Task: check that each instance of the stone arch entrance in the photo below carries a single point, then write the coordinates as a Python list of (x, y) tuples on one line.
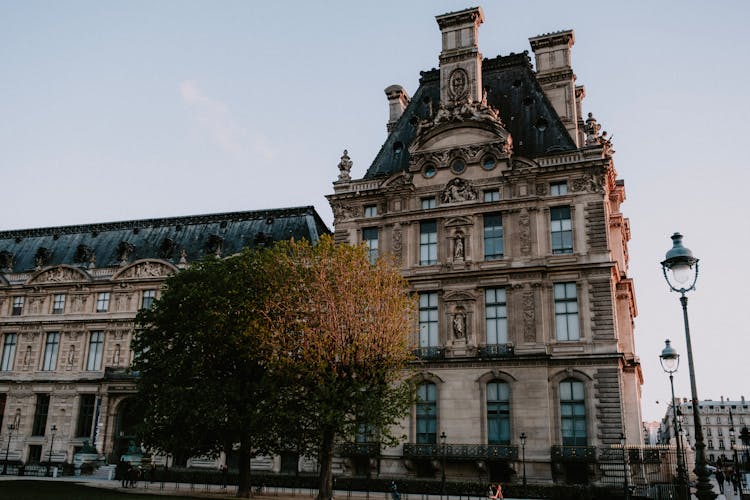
[(126, 421)]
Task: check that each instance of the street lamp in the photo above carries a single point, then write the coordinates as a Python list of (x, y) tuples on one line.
[(625, 466), (683, 267), (670, 361), (11, 428), (53, 429), (523, 456), (442, 478)]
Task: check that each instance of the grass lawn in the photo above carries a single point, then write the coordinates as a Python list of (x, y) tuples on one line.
[(62, 490)]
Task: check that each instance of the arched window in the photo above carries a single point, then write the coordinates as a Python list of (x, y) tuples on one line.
[(498, 413), (573, 413), (426, 413)]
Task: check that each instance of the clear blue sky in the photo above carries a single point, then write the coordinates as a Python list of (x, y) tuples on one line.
[(126, 110)]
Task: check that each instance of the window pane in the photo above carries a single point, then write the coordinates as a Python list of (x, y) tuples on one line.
[(50, 351), (428, 243), (9, 352)]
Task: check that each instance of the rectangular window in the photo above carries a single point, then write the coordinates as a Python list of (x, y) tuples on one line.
[(50, 351), (566, 312), (496, 316), (9, 352), (427, 243), (102, 302), (428, 203), (17, 306), (561, 230), (85, 415), (492, 195), (426, 413), (498, 413), (370, 238), (96, 346), (40, 415), (493, 237), (35, 454), (148, 299), (558, 188), (371, 210), (428, 319), (3, 401), (58, 303)]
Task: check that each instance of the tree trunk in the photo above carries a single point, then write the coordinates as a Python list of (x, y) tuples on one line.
[(243, 481), (325, 490)]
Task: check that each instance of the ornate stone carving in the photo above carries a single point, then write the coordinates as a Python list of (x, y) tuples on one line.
[(459, 323), (342, 212), (458, 247), (57, 274), (524, 230), (592, 181), (83, 254), (397, 242), (345, 167), (458, 85), (529, 317), (215, 244), (124, 251), (458, 190), (41, 258), (146, 270), (6, 261)]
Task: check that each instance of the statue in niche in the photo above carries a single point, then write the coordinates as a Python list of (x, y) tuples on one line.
[(459, 324), (72, 355), (27, 356), (458, 247), (116, 356)]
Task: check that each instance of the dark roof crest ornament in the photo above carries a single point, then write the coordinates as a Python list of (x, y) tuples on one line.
[(41, 258), (6, 261), (124, 251)]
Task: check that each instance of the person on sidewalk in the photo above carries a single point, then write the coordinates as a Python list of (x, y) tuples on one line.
[(720, 479), (496, 491)]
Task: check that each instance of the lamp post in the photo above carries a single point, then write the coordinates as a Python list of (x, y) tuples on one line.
[(683, 268), (523, 456), (625, 467), (670, 361), (11, 428), (52, 429), (442, 476)]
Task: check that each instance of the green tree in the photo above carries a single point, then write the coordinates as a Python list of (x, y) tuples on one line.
[(202, 356), (343, 332)]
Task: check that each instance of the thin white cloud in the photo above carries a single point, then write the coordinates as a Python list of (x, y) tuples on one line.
[(215, 118)]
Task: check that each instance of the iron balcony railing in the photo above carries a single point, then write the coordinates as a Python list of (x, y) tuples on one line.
[(359, 449), (461, 451), (574, 453), (496, 350), (429, 353)]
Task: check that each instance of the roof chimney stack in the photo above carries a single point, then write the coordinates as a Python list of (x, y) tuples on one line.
[(398, 99), (460, 60)]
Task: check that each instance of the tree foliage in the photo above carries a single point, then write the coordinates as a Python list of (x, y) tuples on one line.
[(296, 346)]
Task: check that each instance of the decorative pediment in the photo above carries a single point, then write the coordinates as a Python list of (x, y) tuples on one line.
[(458, 221), (399, 181), (146, 269), (59, 274), (459, 296)]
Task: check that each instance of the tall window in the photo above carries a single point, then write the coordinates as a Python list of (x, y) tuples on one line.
[(428, 319), (561, 230), (17, 306), (573, 413), (148, 299), (96, 344), (558, 188), (566, 312), (85, 415), (9, 352), (493, 237), (40, 415), (3, 401), (498, 413), (371, 210), (102, 302), (58, 303), (496, 316), (427, 203), (427, 243), (370, 238), (50, 351), (427, 413)]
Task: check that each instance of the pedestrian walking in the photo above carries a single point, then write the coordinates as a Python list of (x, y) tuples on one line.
[(224, 474), (394, 491), (720, 479)]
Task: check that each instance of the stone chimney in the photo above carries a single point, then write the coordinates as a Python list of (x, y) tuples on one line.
[(460, 60), (398, 99), (555, 74)]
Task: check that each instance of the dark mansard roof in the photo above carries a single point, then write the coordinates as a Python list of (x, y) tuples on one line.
[(24, 250), (512, 89)]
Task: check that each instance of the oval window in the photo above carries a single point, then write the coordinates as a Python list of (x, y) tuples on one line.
[(458, 166), (489, 163), (430, 171)]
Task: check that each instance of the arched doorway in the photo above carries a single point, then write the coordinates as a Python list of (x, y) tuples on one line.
[(126, 421)]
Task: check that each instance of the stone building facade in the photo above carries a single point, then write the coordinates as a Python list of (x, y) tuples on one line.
[(68, 299), (500, 202), (724, 424)]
